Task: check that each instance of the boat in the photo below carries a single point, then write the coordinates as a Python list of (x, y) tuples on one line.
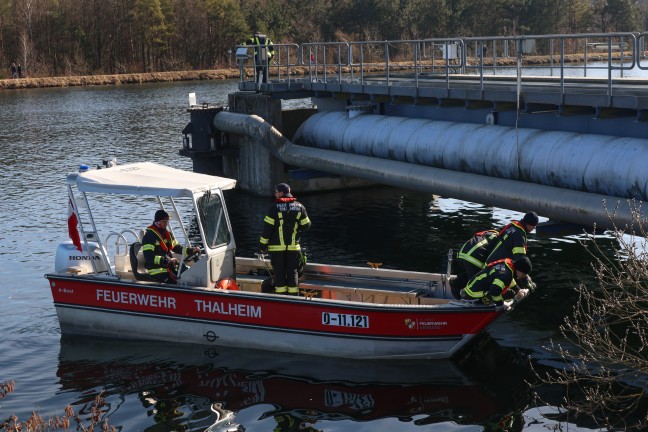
[(220, 300)]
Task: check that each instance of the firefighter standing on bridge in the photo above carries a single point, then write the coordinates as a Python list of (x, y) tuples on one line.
[(263, 52)]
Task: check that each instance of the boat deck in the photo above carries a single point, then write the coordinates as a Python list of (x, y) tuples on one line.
[(365, 285)]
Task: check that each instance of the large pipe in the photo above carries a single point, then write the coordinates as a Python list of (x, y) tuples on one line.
[(555, 203), (603, 164)]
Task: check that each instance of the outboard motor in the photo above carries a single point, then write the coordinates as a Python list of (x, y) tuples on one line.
[(70, 260)]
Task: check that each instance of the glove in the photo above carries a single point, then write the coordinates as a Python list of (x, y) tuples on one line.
[(505, 307), (263, 249), (525, 282), (521, 294)]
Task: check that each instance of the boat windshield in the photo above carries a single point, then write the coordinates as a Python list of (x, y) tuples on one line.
[(214, 223)]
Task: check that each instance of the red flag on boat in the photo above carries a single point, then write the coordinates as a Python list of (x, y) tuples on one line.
[(73, 222)]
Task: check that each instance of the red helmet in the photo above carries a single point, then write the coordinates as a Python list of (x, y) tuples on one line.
[(227, 283)]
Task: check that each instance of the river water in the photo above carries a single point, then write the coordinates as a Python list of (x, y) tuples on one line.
[(46, 133)]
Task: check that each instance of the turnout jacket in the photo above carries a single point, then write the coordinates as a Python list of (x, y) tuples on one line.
[(158, 246), (285, 220), (491, 285), (476, 250), (264, 49), (510, 243)]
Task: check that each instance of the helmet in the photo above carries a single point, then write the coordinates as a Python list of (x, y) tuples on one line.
[(531, 218), (523, 265)]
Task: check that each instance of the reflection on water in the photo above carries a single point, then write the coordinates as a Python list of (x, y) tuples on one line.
[(192, 387)]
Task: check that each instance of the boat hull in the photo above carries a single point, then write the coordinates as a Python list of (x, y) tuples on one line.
[(103, 306)]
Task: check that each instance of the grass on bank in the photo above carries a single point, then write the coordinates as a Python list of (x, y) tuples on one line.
[(69, 421)]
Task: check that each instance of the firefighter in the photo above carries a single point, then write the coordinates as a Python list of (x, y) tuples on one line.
[(285, 220), (496, 282), (512, 239), (263, 52), (471, 258), (158, 245)]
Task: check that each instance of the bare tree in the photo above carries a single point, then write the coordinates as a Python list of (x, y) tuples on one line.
[(606, 349)]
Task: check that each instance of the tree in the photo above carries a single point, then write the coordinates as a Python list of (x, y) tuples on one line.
[(6, 30), (606, 349), (113, 36), (545, 16), (26, 12), (227, 28), (152, 30), (578, 16), (624, 15)]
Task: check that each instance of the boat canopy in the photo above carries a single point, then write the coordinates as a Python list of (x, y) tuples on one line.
[(148, 179)]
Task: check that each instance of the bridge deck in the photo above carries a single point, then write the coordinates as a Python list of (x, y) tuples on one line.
[(597, 72), (627, 93)]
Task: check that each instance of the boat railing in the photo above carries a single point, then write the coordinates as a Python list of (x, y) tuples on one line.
[(121, 261)]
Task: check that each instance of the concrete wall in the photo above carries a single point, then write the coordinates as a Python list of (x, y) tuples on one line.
[(256, 170)]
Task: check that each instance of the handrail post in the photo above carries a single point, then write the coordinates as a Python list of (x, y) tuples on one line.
[(387, 62), (609, 71), (324, 62), (481, 66), (339, 65), (362, 65), (416, 64), (551, 56), (585, 59), (562, 70)]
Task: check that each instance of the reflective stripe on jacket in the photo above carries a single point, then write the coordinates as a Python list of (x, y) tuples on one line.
[(158, 246), (285, 221), (263, 50), (478, 248), (492, 282), (511, 243)]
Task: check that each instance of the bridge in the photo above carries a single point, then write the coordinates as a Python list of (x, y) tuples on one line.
[(553, 123)]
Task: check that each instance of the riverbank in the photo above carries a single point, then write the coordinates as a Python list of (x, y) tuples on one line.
[(221, 74), (135, 78)]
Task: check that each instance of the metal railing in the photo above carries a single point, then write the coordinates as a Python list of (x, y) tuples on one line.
[(641, 51), (412, 62), (285, 57), (377, 62)]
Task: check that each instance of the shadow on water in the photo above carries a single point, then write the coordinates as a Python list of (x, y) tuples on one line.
[(191, 387)]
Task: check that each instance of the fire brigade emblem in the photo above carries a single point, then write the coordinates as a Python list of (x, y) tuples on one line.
[(410, 323)]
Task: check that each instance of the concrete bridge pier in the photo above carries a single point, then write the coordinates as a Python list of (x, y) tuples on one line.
[(255, 169), (247, 160)]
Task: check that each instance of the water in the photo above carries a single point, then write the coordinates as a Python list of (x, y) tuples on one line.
[(573, 70), (46, 133)]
